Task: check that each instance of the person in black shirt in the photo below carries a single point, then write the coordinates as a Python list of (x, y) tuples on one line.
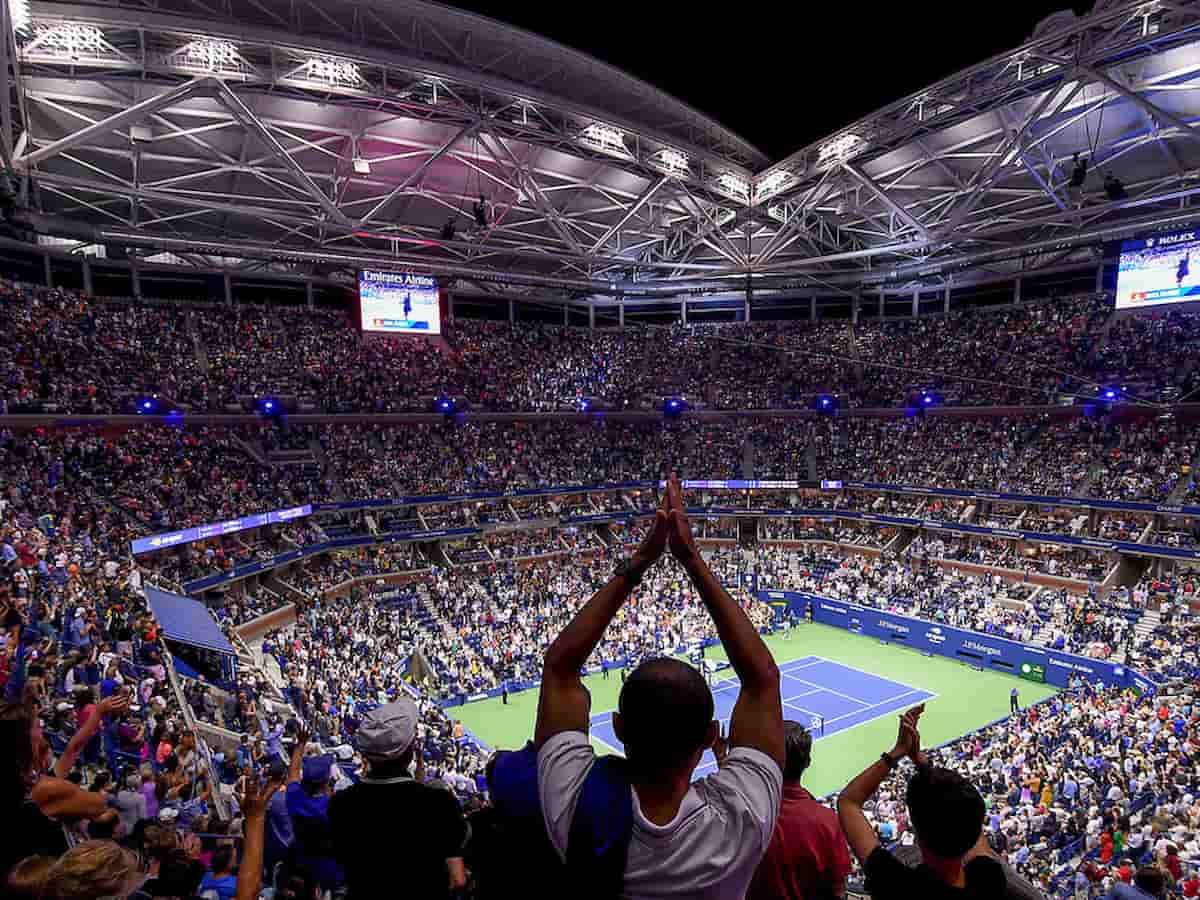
[(947, 816), (427, 857)]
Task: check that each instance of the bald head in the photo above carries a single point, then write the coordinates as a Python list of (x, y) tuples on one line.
[(665, 716)]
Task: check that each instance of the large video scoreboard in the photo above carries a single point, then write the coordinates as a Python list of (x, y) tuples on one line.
[(399, 302)]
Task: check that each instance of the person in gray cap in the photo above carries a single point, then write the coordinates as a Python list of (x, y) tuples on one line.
[(428, 861)]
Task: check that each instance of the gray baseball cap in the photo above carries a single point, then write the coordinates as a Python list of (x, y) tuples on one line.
[(387, 731)]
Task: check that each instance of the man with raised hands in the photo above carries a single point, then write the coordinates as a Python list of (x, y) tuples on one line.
[(667, 836), (947, 814)]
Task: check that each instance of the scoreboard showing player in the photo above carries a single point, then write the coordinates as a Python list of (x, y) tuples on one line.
[(1159, 270), (399, 302)]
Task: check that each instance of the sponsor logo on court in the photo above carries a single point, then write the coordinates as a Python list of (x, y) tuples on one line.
[(1067, 664), (981, 648)]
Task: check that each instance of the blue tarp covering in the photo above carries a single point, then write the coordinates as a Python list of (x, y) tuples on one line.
[(187, 621)]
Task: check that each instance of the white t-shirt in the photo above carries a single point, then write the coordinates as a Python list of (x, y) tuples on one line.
[(709, 851)]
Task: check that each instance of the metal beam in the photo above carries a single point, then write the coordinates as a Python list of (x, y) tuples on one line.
[(416, 175), (530, 186), (1157, 112), (1003, 154), (246, 116), (880, 194), (629, 213), (118, 121)]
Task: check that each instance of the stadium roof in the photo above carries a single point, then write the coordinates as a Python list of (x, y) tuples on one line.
[(319, 137)]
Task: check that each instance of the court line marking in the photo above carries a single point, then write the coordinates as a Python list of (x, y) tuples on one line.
[(704, 767), (862, 703), (809, 662), (841, 665), (807, 665), (600, 740), (834, 662)]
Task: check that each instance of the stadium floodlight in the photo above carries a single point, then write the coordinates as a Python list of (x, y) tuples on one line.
[(673, 407), (212, 55), (734, 185), (19, 16), (772, 184), (606, 139), (70, 40), (826, 404), (332, 71), (444, 405), (840, 148), (671, 162), (585, 404), (1111, 394)]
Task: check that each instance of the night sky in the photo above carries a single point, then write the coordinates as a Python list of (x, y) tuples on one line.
[(809, 68)]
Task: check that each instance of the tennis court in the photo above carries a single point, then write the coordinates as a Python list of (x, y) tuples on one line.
[(857, 683), (826, 697)]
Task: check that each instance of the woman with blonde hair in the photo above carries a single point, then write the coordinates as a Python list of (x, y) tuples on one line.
[(91, 870)]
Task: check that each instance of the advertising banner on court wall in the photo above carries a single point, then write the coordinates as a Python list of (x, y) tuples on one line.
[(974, 648)]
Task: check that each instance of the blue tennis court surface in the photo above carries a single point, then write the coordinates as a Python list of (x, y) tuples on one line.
[(813, 689)]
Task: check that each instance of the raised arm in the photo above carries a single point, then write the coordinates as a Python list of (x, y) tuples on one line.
[(563, 701), (297, 762), (117, 703), (757, 719), (858, 831), (253, 804)]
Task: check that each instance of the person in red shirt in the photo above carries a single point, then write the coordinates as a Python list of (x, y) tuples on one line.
[(1173, 863), (1191, 885), (808, 855)]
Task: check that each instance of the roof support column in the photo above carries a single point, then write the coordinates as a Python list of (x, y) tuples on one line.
[(812, 308), (566, 315), (308, 294), (49, 270), (683, 311), (946, 300), (881, 304), (591, 315), (621, 315), (1016, 290), (450, 305), (512, 311), (854, 303), (1100, 277), (228, 289), (916, 307), (135, 278)]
